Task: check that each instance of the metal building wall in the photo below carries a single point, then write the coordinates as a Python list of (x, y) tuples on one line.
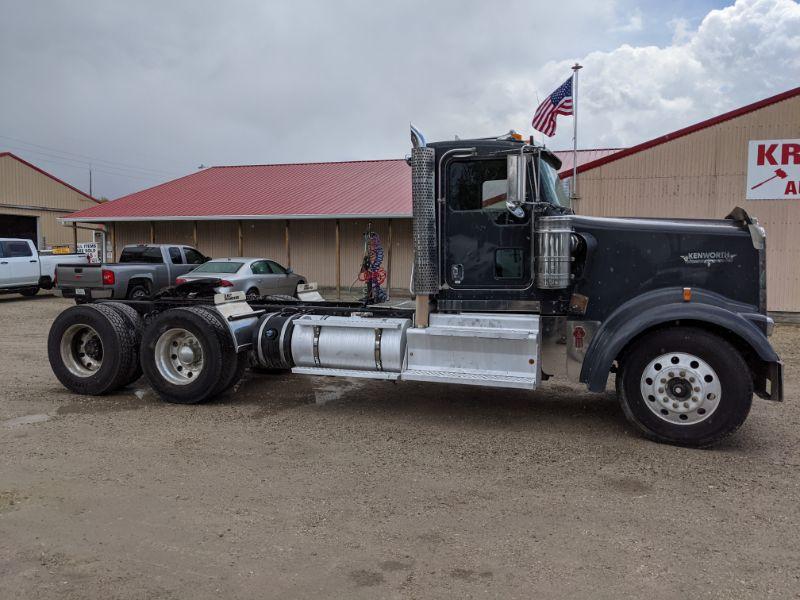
[(703, 175), (312, 244), (22, 186)]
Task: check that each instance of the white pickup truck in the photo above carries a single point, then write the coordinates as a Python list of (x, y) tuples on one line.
[(24, 271)]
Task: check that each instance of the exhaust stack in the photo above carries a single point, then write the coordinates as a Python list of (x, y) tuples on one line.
[(426, 268)]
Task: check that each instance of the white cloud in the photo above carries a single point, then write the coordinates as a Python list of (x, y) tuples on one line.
[(633, 24), (737, 55)]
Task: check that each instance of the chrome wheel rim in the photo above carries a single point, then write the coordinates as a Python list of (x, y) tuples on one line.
[(179, 356), (81, 350), (681, 388)]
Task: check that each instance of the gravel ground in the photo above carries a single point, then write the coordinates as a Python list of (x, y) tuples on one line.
[(296, 487)]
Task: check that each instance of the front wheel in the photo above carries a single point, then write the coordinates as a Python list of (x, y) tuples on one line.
[(684, 386), (29, 292)]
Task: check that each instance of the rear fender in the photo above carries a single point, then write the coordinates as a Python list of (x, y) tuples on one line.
[(666, 306)]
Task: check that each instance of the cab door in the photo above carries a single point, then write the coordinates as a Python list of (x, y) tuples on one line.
[(485, 245), (23, 263)]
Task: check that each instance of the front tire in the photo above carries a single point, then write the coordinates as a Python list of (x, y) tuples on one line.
[(30, 292), (684, 386)]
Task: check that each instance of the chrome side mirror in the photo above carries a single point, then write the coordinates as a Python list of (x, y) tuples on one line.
[(515, 178)]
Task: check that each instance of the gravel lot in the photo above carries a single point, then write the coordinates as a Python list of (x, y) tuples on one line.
[(296, 487)]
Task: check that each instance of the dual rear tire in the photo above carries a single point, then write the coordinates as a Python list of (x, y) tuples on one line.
[(185, 353), (188, 357)]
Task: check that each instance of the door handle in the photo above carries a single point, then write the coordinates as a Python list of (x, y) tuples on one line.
[(5, 262), (33, 261)]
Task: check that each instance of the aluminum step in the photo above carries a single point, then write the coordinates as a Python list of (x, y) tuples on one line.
[(470, 378), (346, 373)]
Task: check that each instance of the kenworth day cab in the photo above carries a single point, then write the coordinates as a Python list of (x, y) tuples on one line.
[(142, 270), (510, 288), (23, 270)]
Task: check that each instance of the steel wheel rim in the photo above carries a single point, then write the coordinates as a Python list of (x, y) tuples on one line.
[(81, 350), (680, 388), (179, 356)]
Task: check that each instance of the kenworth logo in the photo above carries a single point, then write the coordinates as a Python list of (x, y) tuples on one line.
[(707, 258)]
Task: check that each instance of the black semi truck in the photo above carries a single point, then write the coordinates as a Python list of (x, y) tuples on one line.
[(510, 289)]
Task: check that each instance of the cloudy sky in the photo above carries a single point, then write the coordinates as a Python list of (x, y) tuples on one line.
[(146, 91)]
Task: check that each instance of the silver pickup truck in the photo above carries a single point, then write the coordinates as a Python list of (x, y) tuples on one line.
[(142, 270)]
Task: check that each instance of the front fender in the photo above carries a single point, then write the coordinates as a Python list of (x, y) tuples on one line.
[(666, 306)]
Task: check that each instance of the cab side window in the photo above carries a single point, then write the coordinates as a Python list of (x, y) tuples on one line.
[(193, 257), (175, 256), (477, 185), (480, 185), (16, 249)]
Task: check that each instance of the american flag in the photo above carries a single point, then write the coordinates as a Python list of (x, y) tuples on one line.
[(557, 103)]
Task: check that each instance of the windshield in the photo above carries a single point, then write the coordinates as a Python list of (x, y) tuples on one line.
[(552, 190), (219, 267)]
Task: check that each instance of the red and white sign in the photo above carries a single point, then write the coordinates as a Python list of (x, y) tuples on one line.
[(773, 170)]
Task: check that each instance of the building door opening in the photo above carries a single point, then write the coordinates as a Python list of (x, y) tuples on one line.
[(17, 226)]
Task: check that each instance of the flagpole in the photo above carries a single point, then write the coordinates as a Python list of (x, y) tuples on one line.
[(575, 68)]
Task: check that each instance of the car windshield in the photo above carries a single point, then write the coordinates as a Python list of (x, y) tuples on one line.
[(552, 190), (219, 267)]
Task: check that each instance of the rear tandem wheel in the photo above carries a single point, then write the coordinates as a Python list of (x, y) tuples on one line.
[(188, 357)]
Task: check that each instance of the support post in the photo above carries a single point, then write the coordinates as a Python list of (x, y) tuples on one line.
[(422, 310), (75, 237), (113, 242), (241, 238), (152, 232), (389, 261), (338, 261), (194, 234), (288, 247)]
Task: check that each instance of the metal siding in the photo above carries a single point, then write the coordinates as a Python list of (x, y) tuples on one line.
[(131, 233), (313, 250), (23, 186), (173, 232), (703, 175), (265, 239), (218, 239)]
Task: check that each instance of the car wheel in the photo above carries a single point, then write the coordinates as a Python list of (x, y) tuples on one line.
[(29, 292), (252, 294), (138, 291), (91, 348), (684, 386)]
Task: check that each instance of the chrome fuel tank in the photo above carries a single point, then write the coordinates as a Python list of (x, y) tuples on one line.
[(352, 343)]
